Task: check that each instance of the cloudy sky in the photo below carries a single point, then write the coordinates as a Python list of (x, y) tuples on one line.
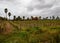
[(31, 7)]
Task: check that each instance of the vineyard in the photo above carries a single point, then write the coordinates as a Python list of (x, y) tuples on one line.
[(34, 31)]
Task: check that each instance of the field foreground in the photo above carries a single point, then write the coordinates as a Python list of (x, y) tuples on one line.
[(40, 31)]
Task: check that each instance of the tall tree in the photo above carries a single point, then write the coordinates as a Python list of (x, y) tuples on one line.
[(9, 14), (6, 10)]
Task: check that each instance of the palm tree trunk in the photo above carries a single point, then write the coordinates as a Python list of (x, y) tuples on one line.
[(9, 18), (6, 16)]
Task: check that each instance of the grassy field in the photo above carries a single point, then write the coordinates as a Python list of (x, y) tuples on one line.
[(40, 31)]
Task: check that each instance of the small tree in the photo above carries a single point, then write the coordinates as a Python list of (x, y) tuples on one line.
[(32, 17), (9, 14), (18, 18), (53, 17), (14, 17), (28, 18), (57, 18), (46, 17), (6, 10), (39, 17), (23, 17), (50, 17), (36, 18)]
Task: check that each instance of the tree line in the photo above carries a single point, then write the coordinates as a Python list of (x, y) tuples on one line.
[(23, 18)]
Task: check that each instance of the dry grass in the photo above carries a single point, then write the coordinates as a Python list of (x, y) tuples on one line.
[(43, 31)]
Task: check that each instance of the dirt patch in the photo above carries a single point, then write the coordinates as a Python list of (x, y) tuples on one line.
[(8, 28)]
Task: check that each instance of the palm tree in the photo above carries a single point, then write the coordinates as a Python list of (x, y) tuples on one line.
[(50, 17), (9, 14), (23, 17), (6, 10), (14, 17)]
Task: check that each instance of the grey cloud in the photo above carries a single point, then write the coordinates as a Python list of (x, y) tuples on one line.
[(51, 12), (4, 0), (43, 6), (30, 8), (56, 11), (38, 8), (39, 4), (35, 7)]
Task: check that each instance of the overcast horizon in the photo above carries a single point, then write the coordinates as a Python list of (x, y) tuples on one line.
[(31, 7)]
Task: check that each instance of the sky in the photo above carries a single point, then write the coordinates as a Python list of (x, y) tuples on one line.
[(29, 8)]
